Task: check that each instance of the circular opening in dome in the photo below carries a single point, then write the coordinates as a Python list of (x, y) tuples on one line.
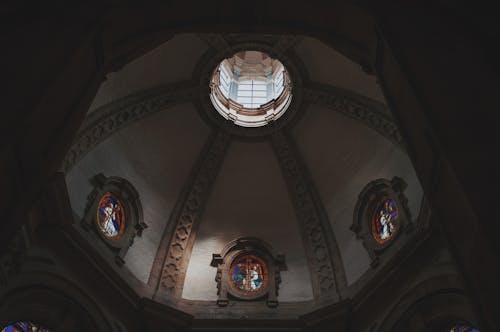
[(251, 89)]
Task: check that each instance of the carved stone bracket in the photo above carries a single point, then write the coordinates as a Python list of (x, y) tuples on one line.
[(112, 117), (326, 266), (185, 219), (371, 113)]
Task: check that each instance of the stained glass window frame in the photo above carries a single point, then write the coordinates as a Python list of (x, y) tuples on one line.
[(264, 274), (121, 211)]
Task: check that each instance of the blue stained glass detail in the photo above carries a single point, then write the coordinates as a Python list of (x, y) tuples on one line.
[(24, 326), (385, 219), (110, 216)]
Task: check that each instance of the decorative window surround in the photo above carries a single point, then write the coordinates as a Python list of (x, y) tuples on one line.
[(236, 250), (132, 214), (370, 198)]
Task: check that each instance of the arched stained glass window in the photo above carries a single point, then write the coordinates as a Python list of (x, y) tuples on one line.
[(248, 274), (385, 220), (110, 216), (462, 328), (24, 326)]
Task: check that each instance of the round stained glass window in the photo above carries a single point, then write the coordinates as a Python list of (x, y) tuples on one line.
[(384, 222), (248, 274), (251, 89), (110, 216), (24, 327)]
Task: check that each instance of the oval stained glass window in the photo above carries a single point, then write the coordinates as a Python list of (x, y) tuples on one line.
[(24, 326), (384, 222), (248, 274), (110, 217)]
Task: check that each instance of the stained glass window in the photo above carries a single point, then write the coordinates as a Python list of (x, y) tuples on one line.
[(110, 216), (248, 274), (463, 328), (385, 220), (24, 326)]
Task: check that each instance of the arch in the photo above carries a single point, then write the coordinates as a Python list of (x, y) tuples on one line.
[(432, 305), (53, 302)]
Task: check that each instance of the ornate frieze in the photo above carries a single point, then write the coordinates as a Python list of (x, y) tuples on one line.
[(373, 114), (324, 257), (187, 214), (112, 117)]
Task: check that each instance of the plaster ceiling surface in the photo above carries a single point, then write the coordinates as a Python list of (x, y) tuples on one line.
[(343, 156), (249, 198), (155, 155), (327, 66), (172, 61)]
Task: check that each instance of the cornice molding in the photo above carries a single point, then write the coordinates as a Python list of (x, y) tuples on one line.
[(371, 113), (111, 118)]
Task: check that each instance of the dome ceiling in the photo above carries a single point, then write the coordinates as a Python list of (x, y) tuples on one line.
[(148, 124)]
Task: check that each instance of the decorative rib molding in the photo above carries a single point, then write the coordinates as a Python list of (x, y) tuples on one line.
[(115, 116), (369, 112), (185, 219), (325, 262)]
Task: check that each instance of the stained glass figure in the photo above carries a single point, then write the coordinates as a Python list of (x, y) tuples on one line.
[(385, 220), (463, 328), (248, 274), (24, 326), (111, 216)]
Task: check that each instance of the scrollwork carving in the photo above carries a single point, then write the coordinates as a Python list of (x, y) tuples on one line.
[(174, 266), (315, 229)]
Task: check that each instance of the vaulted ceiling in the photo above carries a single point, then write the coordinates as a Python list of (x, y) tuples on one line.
[(149, 124)]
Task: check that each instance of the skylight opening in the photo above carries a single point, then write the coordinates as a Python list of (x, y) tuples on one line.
[(251, 89)]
